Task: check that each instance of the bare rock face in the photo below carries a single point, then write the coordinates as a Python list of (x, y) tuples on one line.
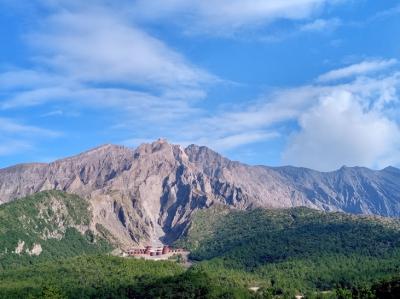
[(149, 194), (357, 190), (143, 195)]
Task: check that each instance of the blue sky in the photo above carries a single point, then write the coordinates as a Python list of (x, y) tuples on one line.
[(311, 83)]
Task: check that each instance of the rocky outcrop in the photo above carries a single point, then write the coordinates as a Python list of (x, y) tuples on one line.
[(149, 194), (355, 190)]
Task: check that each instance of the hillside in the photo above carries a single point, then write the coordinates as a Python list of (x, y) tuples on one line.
[(47, 226), (280, 253), (295, 250), (283, 252)]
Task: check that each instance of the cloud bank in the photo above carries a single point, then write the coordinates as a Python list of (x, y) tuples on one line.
[(338, 130)]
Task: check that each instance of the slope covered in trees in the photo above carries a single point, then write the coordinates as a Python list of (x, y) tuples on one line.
[(47, 225), (295, 250), (237, 254)]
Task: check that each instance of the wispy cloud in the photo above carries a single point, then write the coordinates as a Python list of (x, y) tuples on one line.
[(26, 79), (90, 56), (9, 147), (16, 136), (92, 46), (60, 113), (395, 10), (226, 17), (12, 127), (233, 141), (361, 68), (321, 25)]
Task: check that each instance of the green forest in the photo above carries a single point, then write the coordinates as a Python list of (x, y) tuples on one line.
[(235, 254), (295, 251)]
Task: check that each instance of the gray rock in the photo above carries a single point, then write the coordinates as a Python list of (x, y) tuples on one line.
[(149, 194)]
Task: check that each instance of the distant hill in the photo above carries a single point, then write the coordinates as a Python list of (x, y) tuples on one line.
[(149, 194), (296, 249)]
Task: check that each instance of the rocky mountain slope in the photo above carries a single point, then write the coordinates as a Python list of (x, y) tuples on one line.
[(150, 193), (48, 225)]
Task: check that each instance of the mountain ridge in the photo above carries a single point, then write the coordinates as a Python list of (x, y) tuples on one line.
[(149, 194), (115, 146)]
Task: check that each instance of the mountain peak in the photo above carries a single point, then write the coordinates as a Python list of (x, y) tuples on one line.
[(391, 169), (151, 191), (104, 148), (161, 141), (153, 147)]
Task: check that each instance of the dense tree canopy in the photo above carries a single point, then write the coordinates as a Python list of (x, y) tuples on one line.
[(236, 254)]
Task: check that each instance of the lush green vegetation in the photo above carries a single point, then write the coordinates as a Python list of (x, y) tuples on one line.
[(112, 277), (386, 289), (50, 220), (295, 250), (102, 276), (280, 253)]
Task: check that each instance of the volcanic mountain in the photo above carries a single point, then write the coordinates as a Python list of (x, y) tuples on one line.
[(151, 193)]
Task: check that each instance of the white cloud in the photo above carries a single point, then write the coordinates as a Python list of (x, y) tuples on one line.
[(227, 16), (353, 123), (276, 107), (12, 127), (233, 141), (321, 25), (91, 56), (361, 68), (16, 137), (393, 11), (129, 104), (81, 45), (226, 142), (339, 131), (9, 147), (34, 97), (88, 58), (250, 123), (27, 79), (58, 112), (101, 47)]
